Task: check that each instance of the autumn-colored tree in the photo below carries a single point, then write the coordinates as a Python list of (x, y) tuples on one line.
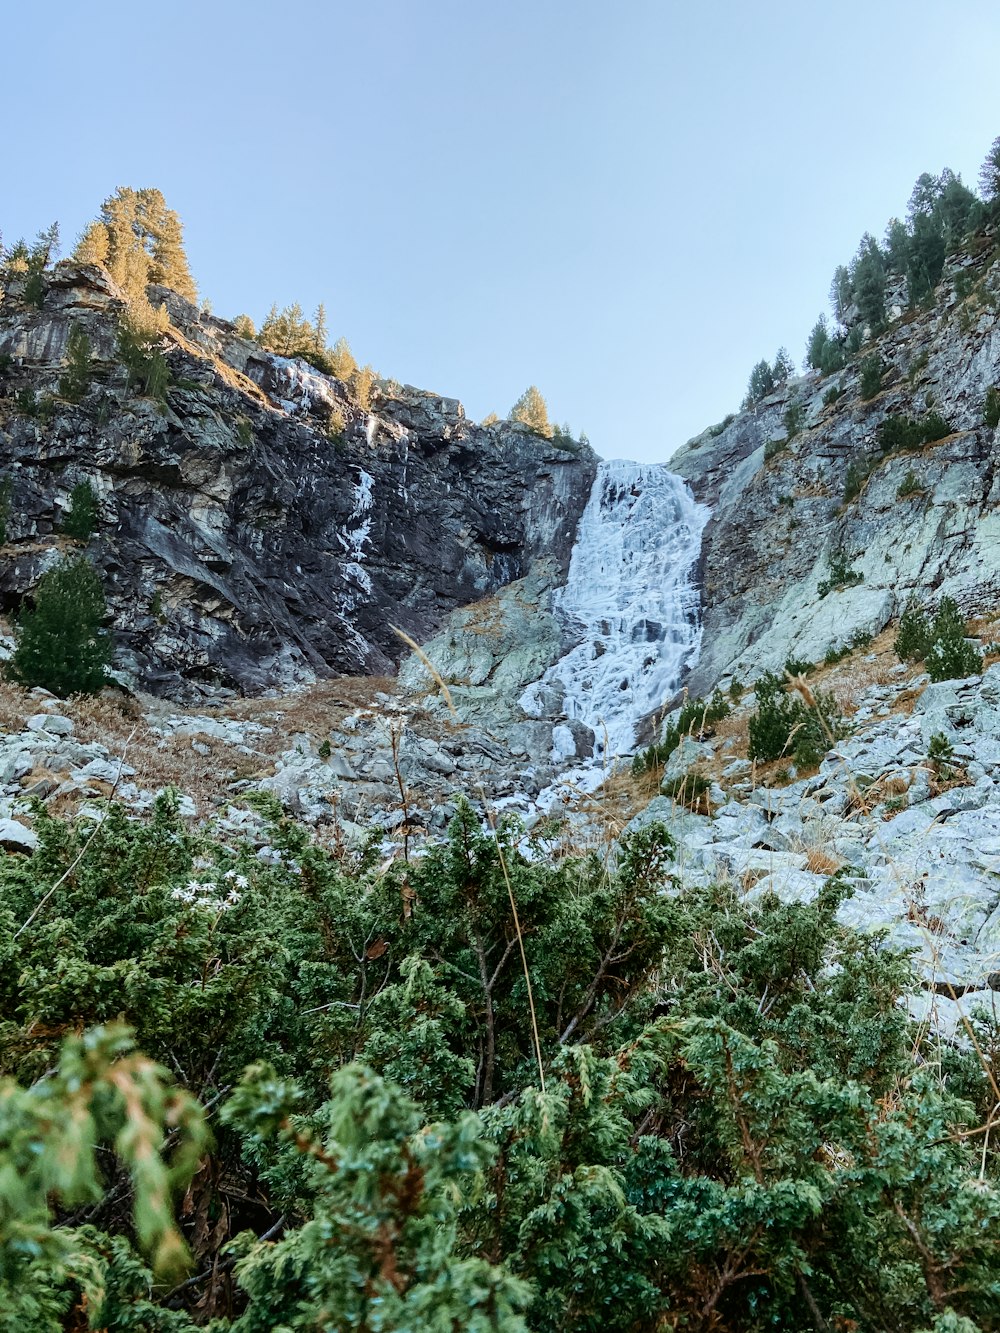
[(532, 410), (140, 241)]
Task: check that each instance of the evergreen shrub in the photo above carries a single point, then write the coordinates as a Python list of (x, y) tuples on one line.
[(60, 643)]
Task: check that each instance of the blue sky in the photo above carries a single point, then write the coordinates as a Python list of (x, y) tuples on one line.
[(626, 205)]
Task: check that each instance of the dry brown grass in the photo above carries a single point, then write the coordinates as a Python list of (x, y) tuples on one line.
[(822, 863)]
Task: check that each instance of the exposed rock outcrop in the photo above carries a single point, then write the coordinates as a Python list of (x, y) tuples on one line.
[(244, 542), (924, 522)]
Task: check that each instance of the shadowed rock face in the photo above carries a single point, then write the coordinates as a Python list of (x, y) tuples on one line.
[(241, 545)]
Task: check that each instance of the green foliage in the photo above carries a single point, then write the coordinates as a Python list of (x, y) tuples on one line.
[(716, 430), (60, 644), (785, 723), (832, 394), (917, 366), (101, 1092), (562, 438), (940, 755), (690, 790), (816, 344), (139, 352), (695, 718), (6, 493), (75, 380), (950, 656), (793, 418), (868, 283), (32, 263), (900, 432), (774, 447), (760, 385), (841, 575), (82, 515), (784, 366), (940, 642), (739, 1126), (872, 370), (991, 408), (910, 485), (857, 475), (798, 666), (913, 638)]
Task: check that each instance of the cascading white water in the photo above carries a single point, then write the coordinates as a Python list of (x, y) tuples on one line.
[(630, 590)]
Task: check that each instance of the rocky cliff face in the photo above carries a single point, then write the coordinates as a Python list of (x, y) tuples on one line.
[(241, 544), (925, 522)]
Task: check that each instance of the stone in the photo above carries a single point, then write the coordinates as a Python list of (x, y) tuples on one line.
[(275, 559), (51, 723), (17, 837)]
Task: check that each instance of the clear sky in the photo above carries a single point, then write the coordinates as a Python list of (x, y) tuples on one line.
[(627, 205)]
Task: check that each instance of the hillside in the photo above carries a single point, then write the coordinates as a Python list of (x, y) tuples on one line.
[(243, 540), (615, 948)]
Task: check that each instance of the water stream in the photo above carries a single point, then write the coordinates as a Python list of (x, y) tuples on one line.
[(631, 596)]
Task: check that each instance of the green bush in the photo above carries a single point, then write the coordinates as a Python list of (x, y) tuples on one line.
[(774, 447), (940, 755), (75, 380), (991, 408), (913, 638), (940, 643), (841, 575), (82, 515), (695, 717), (899, 432), (60, 643), (832, 394), (857, 475), (716, 430), (794, 416), (144, 362), (785, 724), (734, 1098), (690, 790), (950, 655), (872, 370), (910, 485)]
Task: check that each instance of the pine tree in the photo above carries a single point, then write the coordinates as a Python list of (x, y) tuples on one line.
[(818, 339), (989, 175), (60, 643), (897, 246), (140, 241), (243, 326), (75, 380), (93, 247), (760, 385), (320, 332), (784, 366), (927, 253), (168, 262), (532, 411), (342, 362), (841, 293), (868, 282), (82, 515)]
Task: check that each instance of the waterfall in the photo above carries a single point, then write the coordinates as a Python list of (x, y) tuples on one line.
[(629, 592)]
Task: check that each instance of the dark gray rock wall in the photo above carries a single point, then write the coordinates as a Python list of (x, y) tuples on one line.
[(242, 544)]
